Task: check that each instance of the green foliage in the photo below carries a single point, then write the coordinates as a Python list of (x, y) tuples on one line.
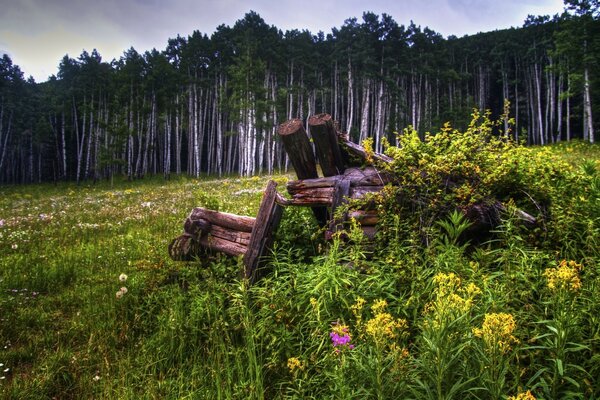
[(428, 311)]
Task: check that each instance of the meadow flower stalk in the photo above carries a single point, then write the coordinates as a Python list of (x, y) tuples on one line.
[(522, 396)]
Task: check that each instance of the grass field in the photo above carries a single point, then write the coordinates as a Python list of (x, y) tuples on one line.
[(92, 307)]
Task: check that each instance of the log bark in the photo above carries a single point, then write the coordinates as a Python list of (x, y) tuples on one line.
[(339, 198), (297, 146), (326, 145), (225, 220), (352, 151), (183, 248), (267, 221), (368, 176), (214, 243), (365, 217)]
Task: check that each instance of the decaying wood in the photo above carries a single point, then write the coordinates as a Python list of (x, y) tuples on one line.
[(341, 192), (215, 243), (225, 220), (297, 146), (351, 149), (326, 145), (365, 217), (268, 217), (368, 176), (183, 248)]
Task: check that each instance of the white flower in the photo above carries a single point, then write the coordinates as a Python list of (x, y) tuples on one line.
[(122, 278), (14, 246), (119, 294), (123, 290), (147, 204), (6, 370), (1, 222), (96, 378)]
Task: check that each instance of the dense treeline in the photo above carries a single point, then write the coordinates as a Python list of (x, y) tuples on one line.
[(211, 104)]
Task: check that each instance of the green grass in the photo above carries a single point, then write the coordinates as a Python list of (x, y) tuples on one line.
[(195, 330)]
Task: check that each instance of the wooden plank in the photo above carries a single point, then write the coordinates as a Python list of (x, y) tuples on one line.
[(231, 235), (326, 145), (267, 221), (226, 220)]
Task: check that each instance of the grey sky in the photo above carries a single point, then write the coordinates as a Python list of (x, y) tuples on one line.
[(36, 34)]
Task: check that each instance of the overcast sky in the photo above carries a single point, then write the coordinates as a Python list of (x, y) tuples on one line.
[(36, 34)]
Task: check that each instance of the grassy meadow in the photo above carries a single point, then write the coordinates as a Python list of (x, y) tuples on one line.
[(91, 306)]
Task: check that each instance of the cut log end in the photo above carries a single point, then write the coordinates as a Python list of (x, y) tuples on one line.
[(319, 119), (290, 127)]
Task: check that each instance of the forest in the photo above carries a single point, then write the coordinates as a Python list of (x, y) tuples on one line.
[(211, 104)]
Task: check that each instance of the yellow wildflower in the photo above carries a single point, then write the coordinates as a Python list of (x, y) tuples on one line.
[(522, 396), (566, 276), (379, 306), (294, 364), (313, 302), (497, 330), (383, 326)]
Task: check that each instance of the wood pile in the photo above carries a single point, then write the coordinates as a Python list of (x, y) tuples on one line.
[(346, 176)]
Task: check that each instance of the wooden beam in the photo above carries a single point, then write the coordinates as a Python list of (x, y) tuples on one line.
[(261, 240)]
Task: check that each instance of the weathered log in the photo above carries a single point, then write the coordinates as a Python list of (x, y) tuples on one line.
[(298, 148), (326, 144), (352, 149), (183, 248), (359, 192), (267, 221), (369, 232), (225, 220), (339, 198), (365, 217), (196, 227), (215, 243), (239, 237), (368, 176)]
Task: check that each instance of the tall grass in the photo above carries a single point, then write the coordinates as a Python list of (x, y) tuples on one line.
[(439, 318)]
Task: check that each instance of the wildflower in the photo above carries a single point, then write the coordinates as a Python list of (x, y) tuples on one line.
[(96, 378), (497, 331), (2, 223), (123, 290), (340, 337), (566, 276), (383, 326), (294, 364), (147, 204), (522, 396), (122, 278), (14, 246), (119, 294)]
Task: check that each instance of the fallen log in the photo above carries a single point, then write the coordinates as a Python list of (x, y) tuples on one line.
[(368, 176), (225, 220), (351, 149)]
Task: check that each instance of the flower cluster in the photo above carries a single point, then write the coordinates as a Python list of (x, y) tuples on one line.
[(522, 396), (451, 298), (497, 331), (383, 326), (294, 364), (340, 337), (566, 276)]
